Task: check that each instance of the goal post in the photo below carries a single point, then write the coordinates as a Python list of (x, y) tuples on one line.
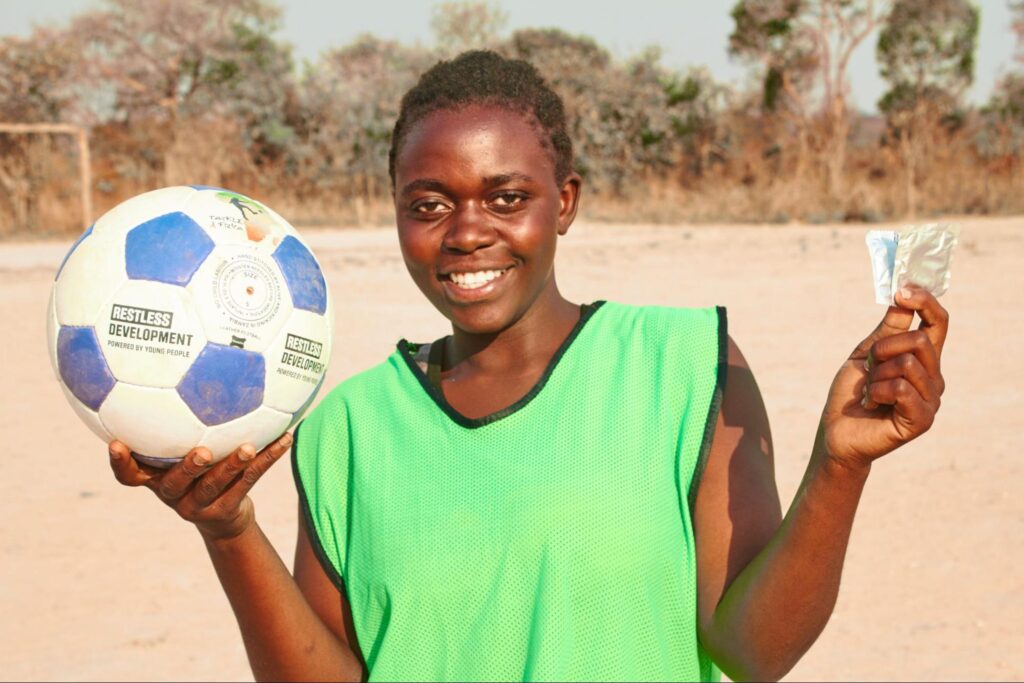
[(84, 160)]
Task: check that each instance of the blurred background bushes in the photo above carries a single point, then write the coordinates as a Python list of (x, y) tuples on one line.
[(202, 91)]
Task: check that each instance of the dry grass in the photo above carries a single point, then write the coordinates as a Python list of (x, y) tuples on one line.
[(39, 185)]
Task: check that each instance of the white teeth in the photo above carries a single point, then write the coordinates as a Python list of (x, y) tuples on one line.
[(475, 280)]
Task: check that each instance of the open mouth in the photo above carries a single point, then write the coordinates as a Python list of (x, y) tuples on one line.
[(476, 279)]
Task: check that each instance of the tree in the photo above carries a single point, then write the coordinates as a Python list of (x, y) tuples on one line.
[(628, 121), (803, 49), (926, 54), (36, 86), (155, 63), (35, 76), (1002, 131), (460, 26), (350, 100)]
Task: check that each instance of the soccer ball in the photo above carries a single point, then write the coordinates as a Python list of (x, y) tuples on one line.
[(189, 316)]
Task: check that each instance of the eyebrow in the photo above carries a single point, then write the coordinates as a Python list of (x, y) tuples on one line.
[(434, 185), (501, 179), (423, 184)]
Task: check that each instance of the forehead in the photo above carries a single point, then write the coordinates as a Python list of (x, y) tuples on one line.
[(477, 140)]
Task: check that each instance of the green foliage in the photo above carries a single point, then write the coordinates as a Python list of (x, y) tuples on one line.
[(164, 60), (769, 34), (763, 27), (926, 54), (773, 83)]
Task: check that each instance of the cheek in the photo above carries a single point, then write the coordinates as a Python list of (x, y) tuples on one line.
[(416, 246), (538, 240)]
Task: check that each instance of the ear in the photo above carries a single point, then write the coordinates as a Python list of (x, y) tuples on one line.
[(569, 201)]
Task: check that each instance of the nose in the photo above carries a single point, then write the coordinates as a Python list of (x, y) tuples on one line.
[(469, 229)]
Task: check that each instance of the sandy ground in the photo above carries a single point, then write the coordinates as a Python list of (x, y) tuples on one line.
[(99, 582)]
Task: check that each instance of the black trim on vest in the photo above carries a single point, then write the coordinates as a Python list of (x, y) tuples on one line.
[(307, 518), (586, 313), (714, 408), (435, 359)]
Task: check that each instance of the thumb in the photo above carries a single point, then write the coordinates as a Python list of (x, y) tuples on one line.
[(895, 321)]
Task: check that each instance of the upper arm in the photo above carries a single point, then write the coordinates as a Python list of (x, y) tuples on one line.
[(737, 508), (328, 601)]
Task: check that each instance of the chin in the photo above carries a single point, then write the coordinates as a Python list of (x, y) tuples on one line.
[(482, 318)]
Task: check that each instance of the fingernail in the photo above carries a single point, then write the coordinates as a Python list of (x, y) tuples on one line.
[(200, 459), (286, 440), (246, 452), (864, 391), (114, 455), (906, 293), (864, 402)]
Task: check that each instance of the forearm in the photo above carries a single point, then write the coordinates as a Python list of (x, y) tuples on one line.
[(779, 604), (284, 638)]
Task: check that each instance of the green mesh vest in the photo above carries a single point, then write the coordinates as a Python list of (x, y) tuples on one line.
[(550, 541)]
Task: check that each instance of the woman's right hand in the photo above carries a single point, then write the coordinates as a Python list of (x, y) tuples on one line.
[(213, 497)]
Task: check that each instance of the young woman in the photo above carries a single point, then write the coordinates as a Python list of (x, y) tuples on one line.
[(553, 491)]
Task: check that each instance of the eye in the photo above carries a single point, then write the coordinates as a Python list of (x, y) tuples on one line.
[(428, 207), (508, 200)]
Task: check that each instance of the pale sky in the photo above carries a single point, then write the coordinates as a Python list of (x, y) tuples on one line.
[(691, 32)]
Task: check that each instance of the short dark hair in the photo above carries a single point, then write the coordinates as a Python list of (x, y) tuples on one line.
[(485, 77)]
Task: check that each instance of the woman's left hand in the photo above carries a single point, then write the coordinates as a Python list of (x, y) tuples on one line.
[(889, 389)]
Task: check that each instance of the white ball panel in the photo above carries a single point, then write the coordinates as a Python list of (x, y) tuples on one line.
[(141, 208), (297, 360), (92, 273), (52, 328), (259, 428), (241, 297), (233, 219), (153, 422), (150, 333), (91, 419), (288, 227)]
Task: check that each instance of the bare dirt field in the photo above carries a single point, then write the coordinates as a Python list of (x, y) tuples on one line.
[(100, 582)]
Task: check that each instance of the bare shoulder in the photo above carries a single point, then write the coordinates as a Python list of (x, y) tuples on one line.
[(737, 507)]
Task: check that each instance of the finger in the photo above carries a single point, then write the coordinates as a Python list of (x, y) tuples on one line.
[(907, 366), (915, 342), (256, 469), (210, 487), (895, 321), (126, 470), (912, 415), (180, 478), (934, 318)]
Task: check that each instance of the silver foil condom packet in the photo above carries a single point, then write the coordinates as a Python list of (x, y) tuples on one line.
[(917, 255)]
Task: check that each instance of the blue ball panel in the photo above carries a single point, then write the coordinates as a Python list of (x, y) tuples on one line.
[(168, 249), (208, 187), (223, 383), (162, 463), (301, 272), (82, 365), (72, 249)]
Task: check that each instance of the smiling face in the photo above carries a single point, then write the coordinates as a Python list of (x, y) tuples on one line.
[(479, 213)]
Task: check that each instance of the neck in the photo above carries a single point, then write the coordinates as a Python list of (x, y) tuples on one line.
[(529, 342)]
